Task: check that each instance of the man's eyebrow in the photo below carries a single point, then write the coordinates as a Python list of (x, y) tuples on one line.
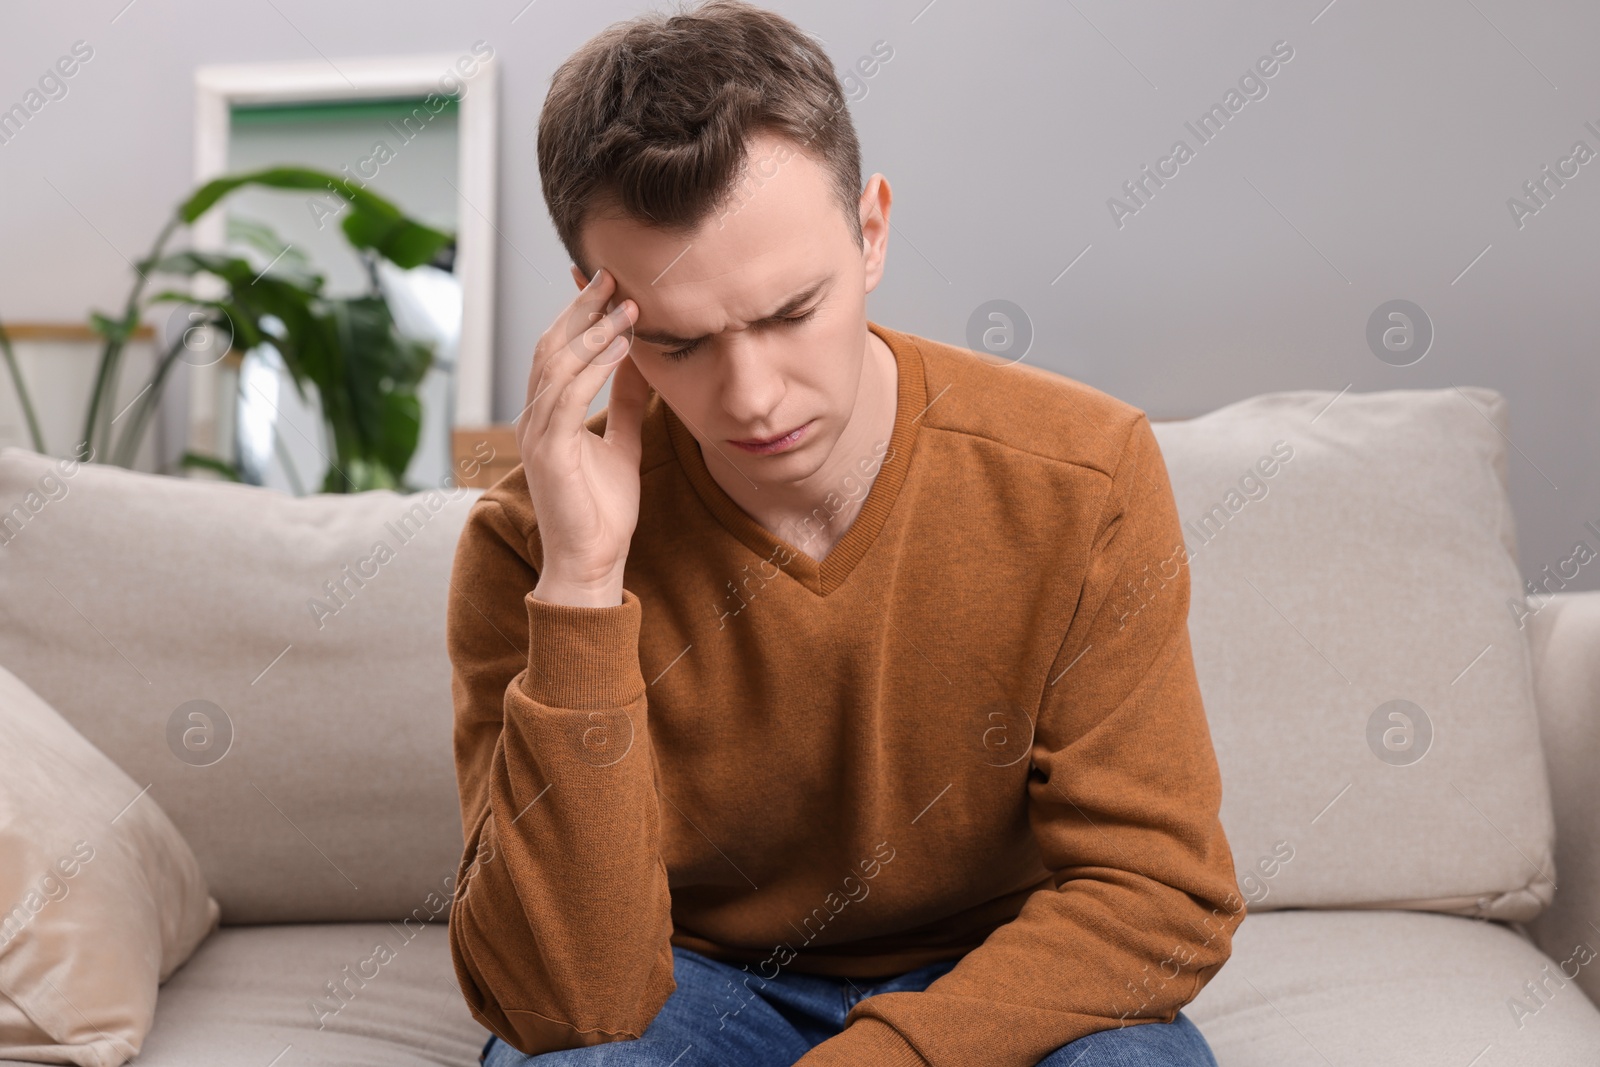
[(787, 308)]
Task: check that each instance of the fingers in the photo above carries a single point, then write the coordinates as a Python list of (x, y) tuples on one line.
[(625, 409), (557, 334), (579, 339), (570, 410), (591, 321)]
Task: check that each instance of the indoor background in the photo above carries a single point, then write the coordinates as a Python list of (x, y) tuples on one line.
[(1384, 159)]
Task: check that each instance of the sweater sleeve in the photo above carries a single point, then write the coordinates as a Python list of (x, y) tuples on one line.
[(1124, 795), (560, 923)]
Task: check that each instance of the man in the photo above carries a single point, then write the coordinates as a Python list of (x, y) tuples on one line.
[(811, 704)]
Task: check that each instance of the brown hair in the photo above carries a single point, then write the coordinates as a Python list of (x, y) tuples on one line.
[(652, 115)]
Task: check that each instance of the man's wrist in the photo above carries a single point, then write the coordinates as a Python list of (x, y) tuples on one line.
[(555, 591)]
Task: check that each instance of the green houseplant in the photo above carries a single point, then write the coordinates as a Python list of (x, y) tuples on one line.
[(364, 370)]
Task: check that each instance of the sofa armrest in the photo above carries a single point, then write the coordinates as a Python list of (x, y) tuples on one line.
[(1564, 639)]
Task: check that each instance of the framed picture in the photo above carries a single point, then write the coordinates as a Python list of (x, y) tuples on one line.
[(421, 130)]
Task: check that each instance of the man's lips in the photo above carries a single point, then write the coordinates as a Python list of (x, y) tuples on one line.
[(763, 442)]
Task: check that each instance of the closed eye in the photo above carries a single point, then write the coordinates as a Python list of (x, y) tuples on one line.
[(686, 350), (680, 353)]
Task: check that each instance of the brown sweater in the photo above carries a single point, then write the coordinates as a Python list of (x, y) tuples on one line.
[(972, 731)]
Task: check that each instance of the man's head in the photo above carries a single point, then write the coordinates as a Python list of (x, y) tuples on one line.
[(708, 162)]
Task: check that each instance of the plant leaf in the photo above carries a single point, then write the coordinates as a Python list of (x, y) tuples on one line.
[(373, 222), (210, 463)]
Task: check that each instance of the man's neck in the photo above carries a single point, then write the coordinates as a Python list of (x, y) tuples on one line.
[(814, 514)]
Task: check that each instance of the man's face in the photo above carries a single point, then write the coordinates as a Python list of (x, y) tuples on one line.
[(756, 323)]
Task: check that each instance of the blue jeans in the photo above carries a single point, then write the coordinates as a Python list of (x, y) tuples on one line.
[(724, 1016)]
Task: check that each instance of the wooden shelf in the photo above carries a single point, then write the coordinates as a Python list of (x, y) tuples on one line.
[(469, 445), (65, 331)]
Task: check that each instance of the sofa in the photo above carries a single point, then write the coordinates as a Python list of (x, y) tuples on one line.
[(1406, 732)]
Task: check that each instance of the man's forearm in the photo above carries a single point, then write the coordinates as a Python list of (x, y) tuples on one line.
[(562, 938)]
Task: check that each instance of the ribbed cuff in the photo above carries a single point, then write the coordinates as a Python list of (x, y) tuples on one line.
[(865, 1041), (583, 657)]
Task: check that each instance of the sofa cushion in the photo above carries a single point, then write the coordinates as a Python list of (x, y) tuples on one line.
[(1394, 989), (1564, 636), (1371, 567), (327, 993), (1351, 559), (1380, 988), (273, 667), (103, 899)]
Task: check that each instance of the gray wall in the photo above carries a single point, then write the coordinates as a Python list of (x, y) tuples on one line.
[(1377, 166)]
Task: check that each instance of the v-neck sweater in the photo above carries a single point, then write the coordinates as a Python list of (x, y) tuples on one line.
[(972, 731)]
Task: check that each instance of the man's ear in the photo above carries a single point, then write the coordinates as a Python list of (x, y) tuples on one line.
[(577, 276), (875, 202)]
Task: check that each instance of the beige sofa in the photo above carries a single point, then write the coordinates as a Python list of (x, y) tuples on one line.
[(1411, 880)]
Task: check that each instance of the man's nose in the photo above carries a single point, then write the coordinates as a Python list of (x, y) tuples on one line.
[(752, 381)]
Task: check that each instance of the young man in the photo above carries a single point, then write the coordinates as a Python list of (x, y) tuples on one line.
[(877, 743)]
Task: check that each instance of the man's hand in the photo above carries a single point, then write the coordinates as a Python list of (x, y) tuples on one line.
[(585, 488)]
